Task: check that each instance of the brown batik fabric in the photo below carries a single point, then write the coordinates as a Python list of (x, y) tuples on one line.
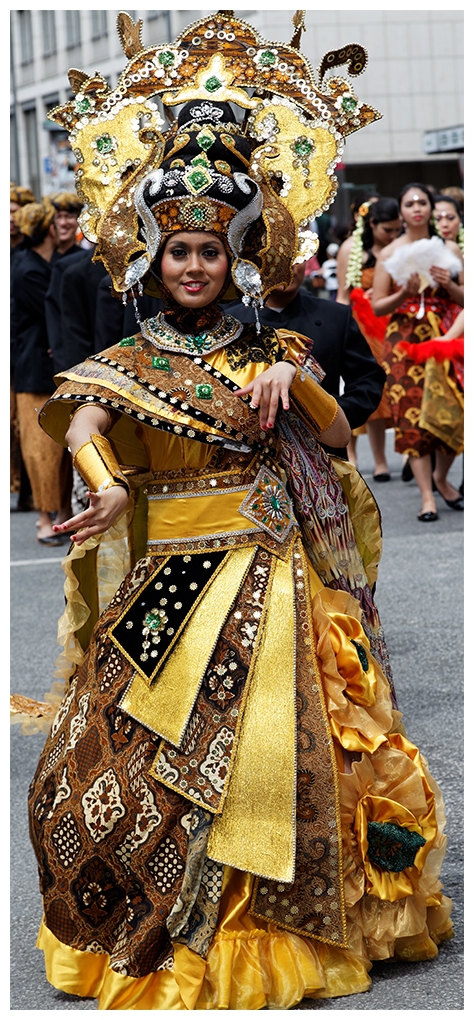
[(118, 852), (313, 905), (405, 379)]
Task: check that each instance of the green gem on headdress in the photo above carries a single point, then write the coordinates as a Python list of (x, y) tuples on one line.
[(267, 58), (166, 58), (200, 160), (205, 139), (212, 84), (200, 213), (104, 144), (197, 180), (349, 104), (303, 146), (83, 105)]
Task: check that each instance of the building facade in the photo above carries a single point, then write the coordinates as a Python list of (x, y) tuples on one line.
[(414, 78)]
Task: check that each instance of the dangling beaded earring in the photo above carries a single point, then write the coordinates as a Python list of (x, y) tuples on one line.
[(460, 237), (134, 300)]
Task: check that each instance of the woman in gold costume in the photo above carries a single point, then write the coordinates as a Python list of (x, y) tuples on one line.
[(227, 813)]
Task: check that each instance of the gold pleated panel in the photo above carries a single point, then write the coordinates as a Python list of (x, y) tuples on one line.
[(256, 831)]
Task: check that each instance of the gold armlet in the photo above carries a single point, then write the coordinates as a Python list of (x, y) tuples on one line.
[(97, 465), (322, 407)]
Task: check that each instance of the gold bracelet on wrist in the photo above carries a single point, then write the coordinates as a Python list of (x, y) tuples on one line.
[(321, 406), (98, 466)]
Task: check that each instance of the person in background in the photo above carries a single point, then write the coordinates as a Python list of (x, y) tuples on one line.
[(457, 194), (115, 320), (338, 345), (68, 206), (33, 365), (377, 224), (19, 196), (19, 481), (419, 284), (448, 220), (329, 271)]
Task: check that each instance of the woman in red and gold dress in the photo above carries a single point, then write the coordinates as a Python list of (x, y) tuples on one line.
[(419, 283)]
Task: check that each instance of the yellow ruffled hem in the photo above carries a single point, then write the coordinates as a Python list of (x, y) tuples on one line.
[(250, 967), (247, 970), (90, 976)]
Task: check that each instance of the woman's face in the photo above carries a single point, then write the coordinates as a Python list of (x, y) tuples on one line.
[(194, 268), (448, 220), (415, 208), (386, 232)]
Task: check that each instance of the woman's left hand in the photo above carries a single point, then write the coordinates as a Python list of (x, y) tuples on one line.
[(441, 276), (268, 389), (103, 510)]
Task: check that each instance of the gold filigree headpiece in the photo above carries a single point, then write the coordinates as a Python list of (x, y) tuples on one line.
[(294, 120)]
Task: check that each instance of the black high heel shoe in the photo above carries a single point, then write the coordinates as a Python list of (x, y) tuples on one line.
[(455, 504)]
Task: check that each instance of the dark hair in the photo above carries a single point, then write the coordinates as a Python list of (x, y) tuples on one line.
[(419, 187), (382, 211), (429, 194), (452, 200)]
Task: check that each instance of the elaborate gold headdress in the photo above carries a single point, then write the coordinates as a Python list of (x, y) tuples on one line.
[(294, 122)]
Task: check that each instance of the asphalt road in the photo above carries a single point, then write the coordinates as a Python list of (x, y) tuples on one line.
[(420, 600)]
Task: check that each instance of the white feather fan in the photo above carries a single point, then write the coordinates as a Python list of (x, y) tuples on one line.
[(418, 257)]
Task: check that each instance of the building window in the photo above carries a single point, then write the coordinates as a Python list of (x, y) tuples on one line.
[(49, 33), (50, 102), (99, 24), (73, 29), (31, 135), (14, 157), (26, 37)]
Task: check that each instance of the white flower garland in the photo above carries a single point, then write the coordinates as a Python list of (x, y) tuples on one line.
[(356, 254)]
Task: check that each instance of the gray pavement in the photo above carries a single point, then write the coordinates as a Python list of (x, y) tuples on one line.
[(420, 599)]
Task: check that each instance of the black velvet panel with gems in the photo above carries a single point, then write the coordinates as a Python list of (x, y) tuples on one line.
[(150, 626)]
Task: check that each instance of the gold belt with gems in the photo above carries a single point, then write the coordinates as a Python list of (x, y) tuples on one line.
[(220, 510)]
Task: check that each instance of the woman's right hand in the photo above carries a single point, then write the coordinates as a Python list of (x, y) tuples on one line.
[(103, 510), (412, 286)]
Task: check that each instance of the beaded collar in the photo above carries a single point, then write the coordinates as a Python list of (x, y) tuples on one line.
[(158, 331)]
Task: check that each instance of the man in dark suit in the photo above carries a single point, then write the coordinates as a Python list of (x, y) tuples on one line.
[(338, 345), (115, 320)]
